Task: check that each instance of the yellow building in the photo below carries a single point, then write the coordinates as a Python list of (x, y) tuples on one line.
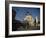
[(29, 19)]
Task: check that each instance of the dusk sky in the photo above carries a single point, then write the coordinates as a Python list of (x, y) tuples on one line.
[(21, 11)]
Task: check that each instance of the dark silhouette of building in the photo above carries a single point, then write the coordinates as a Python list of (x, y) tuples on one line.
[(15, 23)]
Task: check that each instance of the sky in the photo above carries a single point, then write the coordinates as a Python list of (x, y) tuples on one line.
[(21, 12)]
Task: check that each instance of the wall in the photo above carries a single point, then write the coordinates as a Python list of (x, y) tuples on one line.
[(2, 20)]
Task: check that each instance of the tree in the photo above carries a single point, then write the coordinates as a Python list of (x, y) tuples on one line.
[(35, 22)]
